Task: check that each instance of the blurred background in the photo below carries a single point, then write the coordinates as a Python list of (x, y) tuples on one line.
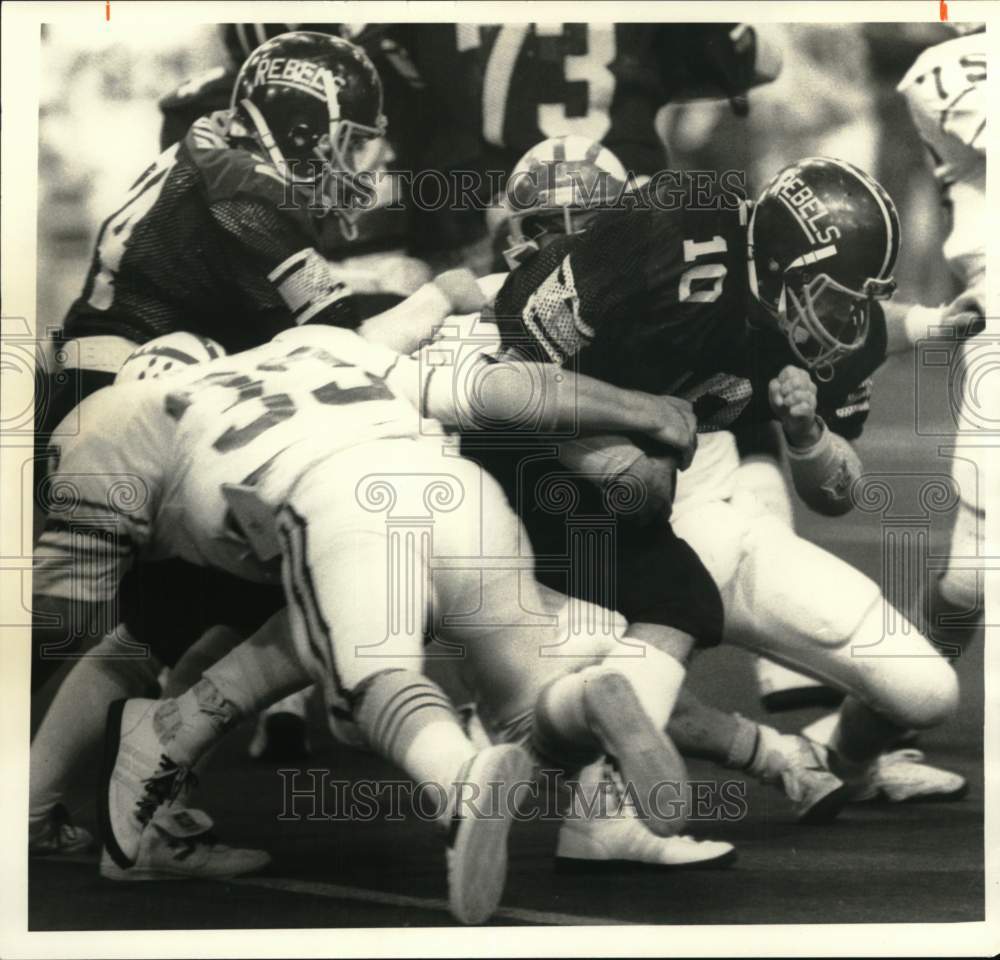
[(99, 127)]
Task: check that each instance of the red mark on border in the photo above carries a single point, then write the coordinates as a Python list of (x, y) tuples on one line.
[(942, 9), (107, 9)]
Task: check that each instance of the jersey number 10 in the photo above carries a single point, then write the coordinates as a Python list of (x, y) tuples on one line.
[(714, 272)]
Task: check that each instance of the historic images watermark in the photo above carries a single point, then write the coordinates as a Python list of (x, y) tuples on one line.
[(315, 794)]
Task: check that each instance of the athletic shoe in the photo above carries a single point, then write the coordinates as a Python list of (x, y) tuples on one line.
[(55, 835), (601, 831), (477, 840), (818, 794), (903, 777), (180, 845), (646, 757), (138, 778)]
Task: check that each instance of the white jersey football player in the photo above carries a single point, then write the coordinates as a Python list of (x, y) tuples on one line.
[(946, 93), (290, 461), (111, 670)]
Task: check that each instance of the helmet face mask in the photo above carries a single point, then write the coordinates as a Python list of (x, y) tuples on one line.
[(824, 321)]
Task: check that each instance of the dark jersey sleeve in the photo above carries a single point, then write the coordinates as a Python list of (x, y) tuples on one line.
[(269, 233), (845, 401)]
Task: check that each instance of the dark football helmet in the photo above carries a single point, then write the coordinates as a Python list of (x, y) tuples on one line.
[(555, 188), (241, 39), (313, 103), (823, 238)]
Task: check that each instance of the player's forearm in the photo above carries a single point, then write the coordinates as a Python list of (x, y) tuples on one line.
[(542, 397), (408, 324), (824, 471)]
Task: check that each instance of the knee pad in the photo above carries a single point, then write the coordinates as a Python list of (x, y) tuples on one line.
[(902, 676), (959, 589), (792, 600)]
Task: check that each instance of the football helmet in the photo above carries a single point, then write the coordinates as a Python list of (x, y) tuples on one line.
[(241, 39), (313, 103), (822, 241), (164, 356), (555, 188)]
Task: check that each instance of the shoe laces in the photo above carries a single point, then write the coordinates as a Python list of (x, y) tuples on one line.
[(163, 787)]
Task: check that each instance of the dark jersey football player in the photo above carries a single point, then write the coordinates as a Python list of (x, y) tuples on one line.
[(708, 299), (380, 229), (218, 235)]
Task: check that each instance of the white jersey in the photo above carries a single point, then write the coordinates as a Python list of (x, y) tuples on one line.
[(259, 419), (946, 93)]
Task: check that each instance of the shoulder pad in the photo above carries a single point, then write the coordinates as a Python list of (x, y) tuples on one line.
[(227, 170)]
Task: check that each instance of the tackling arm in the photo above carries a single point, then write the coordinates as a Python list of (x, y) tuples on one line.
[(404, 327), (543, 398)]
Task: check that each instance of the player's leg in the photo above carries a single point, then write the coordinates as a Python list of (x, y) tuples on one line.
[(359, 599), (620, 706), (954, 601), (760, 477), (69, 736), (895, 680), (151, 746)]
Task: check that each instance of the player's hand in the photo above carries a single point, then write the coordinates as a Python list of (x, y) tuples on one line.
[(967, 312), (677, 428), (793, 401), (649, 481)]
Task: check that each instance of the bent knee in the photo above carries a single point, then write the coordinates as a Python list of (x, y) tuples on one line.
[(924, 694)]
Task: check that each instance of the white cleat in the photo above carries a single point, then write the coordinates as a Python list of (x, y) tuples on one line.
[(55, 835), (179, 845), (477, 840), (137, 779), (903, 777), (146, 836), (646, 757), (601, 831)]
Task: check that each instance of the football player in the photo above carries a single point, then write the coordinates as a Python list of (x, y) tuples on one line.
[(218, 235), (728, 304), (945, 90), (258, 461), (157, 630)]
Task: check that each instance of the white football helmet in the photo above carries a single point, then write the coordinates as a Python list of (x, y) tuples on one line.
[(552, 188), (167, 355)]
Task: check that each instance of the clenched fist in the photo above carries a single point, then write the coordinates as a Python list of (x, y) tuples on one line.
[(793, 401)]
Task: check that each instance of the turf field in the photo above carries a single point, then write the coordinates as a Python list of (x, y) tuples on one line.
[(877, 863)]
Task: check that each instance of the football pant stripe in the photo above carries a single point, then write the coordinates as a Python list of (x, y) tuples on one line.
[(302, 591)]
